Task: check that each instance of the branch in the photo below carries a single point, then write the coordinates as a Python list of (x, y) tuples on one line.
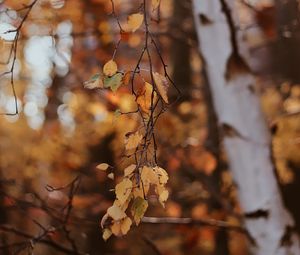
[(190, 221), (14, 53)]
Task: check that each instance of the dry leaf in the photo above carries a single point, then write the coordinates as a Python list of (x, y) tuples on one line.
[(116, 213), (95, 82), (123, 190), (111, 176), (133, 140), (129, 170), (125, 225), (162, 175), (126, 78), (122, 206), (149, 176), (103, 220), (110, 68), (116, 228), (106, 234), (102, 166), (163, 196), (134, 21), (121, 228), (162, 85), (141, 190), (144, 97)]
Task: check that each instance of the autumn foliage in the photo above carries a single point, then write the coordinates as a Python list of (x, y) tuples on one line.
[(104, 150)]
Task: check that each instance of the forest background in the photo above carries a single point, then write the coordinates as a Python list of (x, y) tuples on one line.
[(52, 194)]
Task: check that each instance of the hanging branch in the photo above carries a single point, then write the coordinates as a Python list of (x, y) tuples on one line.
[(152, 101), (13, 54)]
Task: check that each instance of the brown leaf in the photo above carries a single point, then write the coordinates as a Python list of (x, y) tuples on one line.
[(144, 97), (162, 85)]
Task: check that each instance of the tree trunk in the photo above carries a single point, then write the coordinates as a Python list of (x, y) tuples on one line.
[(246, 137), (286, 48), (181, 56)]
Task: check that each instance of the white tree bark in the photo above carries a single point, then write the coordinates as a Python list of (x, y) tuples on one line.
[(246, 136)]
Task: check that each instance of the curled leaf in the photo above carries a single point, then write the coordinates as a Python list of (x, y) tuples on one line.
[(162, 85), (103, 220)]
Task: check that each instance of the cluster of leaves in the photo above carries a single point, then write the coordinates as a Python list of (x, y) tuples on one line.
[(132, 192), (144, 177), (135, 186)]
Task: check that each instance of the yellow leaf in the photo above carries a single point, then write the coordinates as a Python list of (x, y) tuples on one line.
[(125, 225), (120, 228), (141, 190), (106, 234), (133, 140), (144, 97), (155, 4), (102, 167), (162, 175), (149, 176), (134, 21), (123, 206), (123, 190), (111, 176), (162, 85), (116, 228), (129, 170), (163, 197), (116, 213), (110, 68)]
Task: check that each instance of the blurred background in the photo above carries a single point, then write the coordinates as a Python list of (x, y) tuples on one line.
[(52, 196)]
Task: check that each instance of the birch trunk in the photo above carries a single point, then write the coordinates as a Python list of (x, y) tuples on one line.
[(246, 136)]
